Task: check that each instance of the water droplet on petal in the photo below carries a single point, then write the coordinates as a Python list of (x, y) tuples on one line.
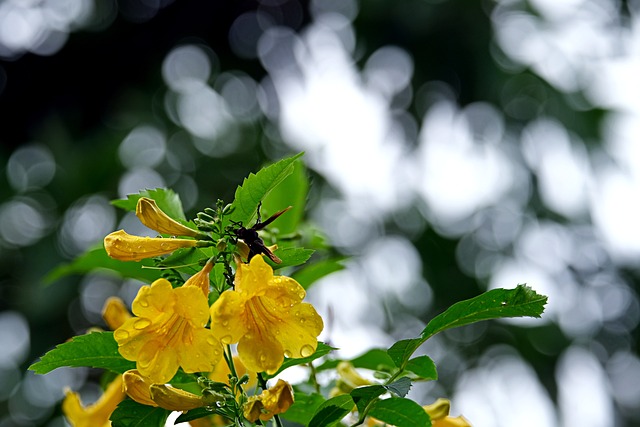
[(226, 339), (306, 350), (211, 341), (225, 322), (143, 302), (262, 357), (302, 320), (287, 353), (141, 323), (121, 334)]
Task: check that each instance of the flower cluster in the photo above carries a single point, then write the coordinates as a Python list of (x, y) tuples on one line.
[(174, 328)]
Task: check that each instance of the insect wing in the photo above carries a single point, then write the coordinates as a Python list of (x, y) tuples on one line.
[(261, 225)]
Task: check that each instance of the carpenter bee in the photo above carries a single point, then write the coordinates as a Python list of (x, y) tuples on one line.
[(253, 240)]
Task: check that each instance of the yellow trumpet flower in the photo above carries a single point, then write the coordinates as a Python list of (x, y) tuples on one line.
[(265, 315)]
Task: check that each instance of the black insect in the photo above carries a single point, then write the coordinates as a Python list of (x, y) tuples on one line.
[(251, 237)]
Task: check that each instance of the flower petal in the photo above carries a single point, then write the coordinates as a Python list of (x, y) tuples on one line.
[(299, 331), (251, 278), (226, 317), (201, 278), (202, 355), (261, 352), (97, 414), (192, 305), (153, 301), (137, 387), (157, 361)]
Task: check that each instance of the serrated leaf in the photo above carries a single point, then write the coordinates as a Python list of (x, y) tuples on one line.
[(256, 186), (402, 350), (495, 304), (303, 408), (400, 412), (292, 191), (132, 414), (322, 350), (167, 200), (94, 350), (363, 396), (423, 367), (309, 274), (97, 258), (332, 411)]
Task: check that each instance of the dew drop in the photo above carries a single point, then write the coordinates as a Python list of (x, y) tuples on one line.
[(226, 339), (302, 320), (225, 322), (143, 302), (211, 341), (121, 334), (141, 323), (263, 358), (306, 350), (287, 353)]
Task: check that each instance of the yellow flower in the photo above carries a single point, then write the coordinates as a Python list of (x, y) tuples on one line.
[(348, 380), (151, 216), (168, 331), (115, 313), (137, 387), (439, 413), (275, 400), (97, 414), (201, 278), (144, 391), (266, 317), (124, 247)]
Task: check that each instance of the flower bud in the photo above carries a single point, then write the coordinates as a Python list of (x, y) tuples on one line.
[(124, 247), (153, 217)]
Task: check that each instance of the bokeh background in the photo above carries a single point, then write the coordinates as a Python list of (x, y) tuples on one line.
[(454, 146)]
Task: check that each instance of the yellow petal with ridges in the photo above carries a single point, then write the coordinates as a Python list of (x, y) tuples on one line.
[(261, 352)]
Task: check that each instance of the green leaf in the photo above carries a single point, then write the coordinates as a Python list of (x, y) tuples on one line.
[(193, 414), (166, 199), (400, 387), (423, 367), (303, 408), (332, 411), (97, 258), (400, 412), (132, 414), (376, 359), (402, 350), (95, 350), (363, 396), (309, 274), (255, 187), (290, 257), (292, 191), (497, 303), (322, 350)]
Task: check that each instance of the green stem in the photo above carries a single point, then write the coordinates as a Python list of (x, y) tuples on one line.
[(313, 378)]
